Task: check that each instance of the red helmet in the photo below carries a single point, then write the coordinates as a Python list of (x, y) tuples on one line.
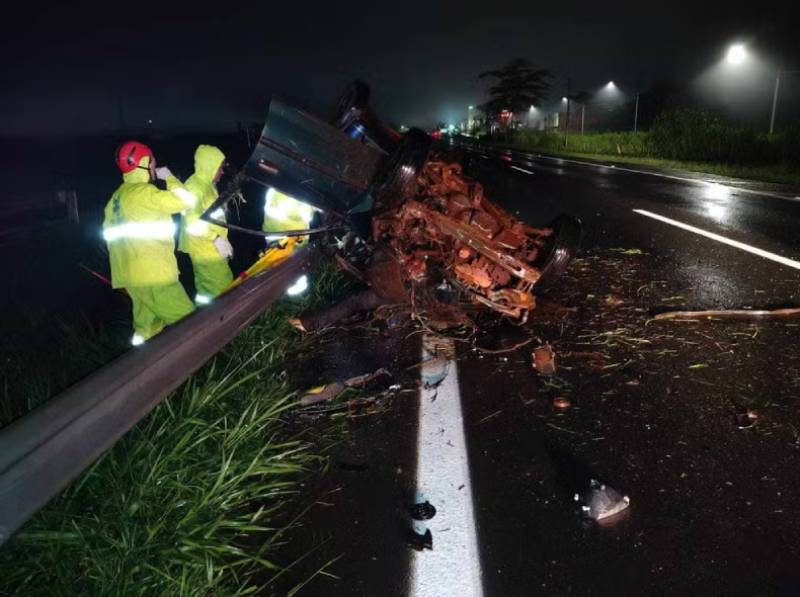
[(130, 153)]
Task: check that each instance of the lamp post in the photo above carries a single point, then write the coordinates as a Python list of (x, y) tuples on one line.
[(567, 98), (736, 55), (775, 91)]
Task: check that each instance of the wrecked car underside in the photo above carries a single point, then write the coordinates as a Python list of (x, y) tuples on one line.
[(403, 217)]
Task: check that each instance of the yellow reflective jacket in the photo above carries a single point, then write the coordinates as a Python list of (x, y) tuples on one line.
[(197, 236), (282, 212), (139, 231)]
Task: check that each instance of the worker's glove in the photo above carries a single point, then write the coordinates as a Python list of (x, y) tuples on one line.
[(224, 248), (163, 173)]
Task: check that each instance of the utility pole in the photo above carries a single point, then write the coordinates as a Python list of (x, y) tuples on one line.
[(774, 101), (566, 129), (583, 113), (636, 115), (775, 91)]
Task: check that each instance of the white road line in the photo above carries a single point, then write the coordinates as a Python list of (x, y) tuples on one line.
[(452, 568), (522, 170), (722, 239), (660, 175)]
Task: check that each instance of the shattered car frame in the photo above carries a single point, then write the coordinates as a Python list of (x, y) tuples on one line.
[(401, 217)]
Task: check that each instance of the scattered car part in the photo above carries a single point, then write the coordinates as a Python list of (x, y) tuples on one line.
[(422, 511), (328, 392), (745, 418), (544, 360), (561, 403), (419, 537), (601, 502)]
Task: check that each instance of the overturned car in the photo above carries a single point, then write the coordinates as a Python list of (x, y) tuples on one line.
[(398, 214)]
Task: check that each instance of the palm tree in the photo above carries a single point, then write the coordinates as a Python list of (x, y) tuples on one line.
[(518, 86)]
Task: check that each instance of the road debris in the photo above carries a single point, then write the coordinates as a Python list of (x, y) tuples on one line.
[(561, 403), (602, 503), (730, 314), (745, 418), (328, 392), (544, 360), (422, 510), (419, 537)]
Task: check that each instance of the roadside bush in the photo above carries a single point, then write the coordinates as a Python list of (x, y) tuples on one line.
[(702, 136), (677, 135)]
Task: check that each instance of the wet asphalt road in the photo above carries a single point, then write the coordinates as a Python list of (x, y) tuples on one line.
[(713, 507)]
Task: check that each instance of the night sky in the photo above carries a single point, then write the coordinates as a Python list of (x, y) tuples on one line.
[(70, 69)]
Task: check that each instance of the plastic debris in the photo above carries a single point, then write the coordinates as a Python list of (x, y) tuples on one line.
[(601, 502)]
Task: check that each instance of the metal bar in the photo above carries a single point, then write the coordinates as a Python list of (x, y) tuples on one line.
[(279, 233), (44, 451), (774, 102)]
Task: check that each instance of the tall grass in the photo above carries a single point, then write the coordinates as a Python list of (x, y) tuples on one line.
[(679, 135), (42, 357), (190, 501)]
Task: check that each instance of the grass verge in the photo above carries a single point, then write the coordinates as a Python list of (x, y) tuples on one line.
[(191, 501)]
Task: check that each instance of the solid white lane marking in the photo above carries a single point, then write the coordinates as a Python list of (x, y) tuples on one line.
[(722, 239), (452, 568), (663, 175), (522, 170)]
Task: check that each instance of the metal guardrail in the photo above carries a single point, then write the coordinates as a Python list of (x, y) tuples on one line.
[(44, 451)]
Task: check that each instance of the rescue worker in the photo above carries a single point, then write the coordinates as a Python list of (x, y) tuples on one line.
[(282, 212), (206, 244), (140, 234)]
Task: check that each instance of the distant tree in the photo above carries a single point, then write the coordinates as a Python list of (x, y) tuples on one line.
[(517, 86)]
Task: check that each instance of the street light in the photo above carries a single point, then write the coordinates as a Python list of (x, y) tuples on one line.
[(737, 54), (531, 112), (611, 87)]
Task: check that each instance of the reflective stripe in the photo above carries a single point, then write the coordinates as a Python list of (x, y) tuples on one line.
[(186, 196), (202, 299), (159, 230), (137, 340), (299, 287), (197, 228), (217, 214), (286, 208)]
